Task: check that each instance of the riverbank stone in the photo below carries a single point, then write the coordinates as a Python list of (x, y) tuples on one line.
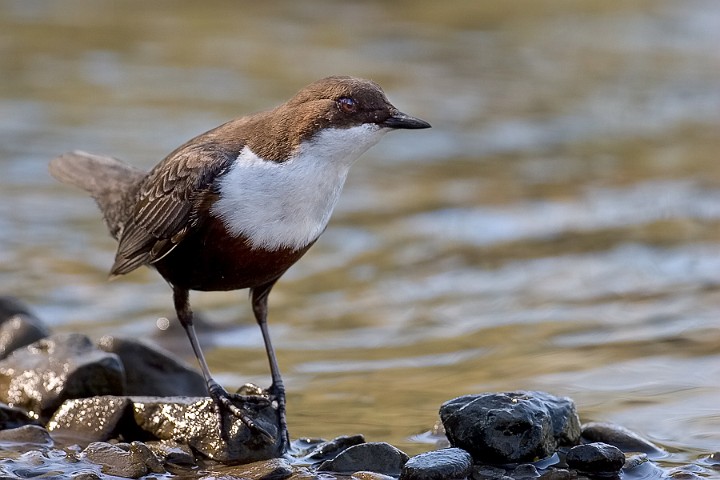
[(94, 419), (39, 377), (621, 437), (513, 427), (378, 457), (123, 460), (595, 458), (18, 326), (153, 371), (194, 421), (445, 464), (11, 417)]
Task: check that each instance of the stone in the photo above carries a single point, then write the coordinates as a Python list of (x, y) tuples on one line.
[(598, 458), (514, 427), (445, 464), (194, 421), (172, 452), (152, 371), (559, 474), (369, 476), (378, 457), (624, 439), (18, 326), (27, 435), (41, 376), (327, 450), (525, 471), (11, 417), (273, 469), (115, 460), (94, 419)]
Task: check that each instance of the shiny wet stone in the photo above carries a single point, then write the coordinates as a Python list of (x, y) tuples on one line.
[(596, 457), (510, 427), (39, 377), (379, 457), (442, 464)]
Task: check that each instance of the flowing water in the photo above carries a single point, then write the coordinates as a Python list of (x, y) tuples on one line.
[(558, 228)]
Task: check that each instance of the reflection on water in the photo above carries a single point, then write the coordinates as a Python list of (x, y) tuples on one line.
[(557, 229)]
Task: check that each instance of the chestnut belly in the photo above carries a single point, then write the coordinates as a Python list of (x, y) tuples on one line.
[(212, 260)]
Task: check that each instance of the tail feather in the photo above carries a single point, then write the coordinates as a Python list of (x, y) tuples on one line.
[(108, 180)]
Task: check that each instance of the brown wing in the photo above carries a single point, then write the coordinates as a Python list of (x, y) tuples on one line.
[(166, 209)]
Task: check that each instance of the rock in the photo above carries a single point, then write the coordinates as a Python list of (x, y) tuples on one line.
[(11, 417), (500, 428), (152, 371), (273, 469), (327, 450), (559, 474), (378, 457), (27, 435), (597, 458), (448, 463), (624, 439), (369, 476), (194, 420), (172, 452), (115, 460), (526, 471), (94, 419), (18, 326), (41, 376)]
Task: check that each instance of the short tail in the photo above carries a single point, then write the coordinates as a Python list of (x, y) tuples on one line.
[(108, 180)]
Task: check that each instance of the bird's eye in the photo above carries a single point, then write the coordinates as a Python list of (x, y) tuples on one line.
[(347, 105)]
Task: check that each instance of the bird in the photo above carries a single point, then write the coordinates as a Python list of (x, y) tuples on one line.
[(235, 207)]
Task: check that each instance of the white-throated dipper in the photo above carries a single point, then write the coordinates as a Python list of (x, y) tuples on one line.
[(235, 207)]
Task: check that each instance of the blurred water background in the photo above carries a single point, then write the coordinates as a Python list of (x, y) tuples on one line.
[(557, 229)]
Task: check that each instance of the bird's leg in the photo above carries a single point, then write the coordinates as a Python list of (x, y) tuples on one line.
[(219, 395), (259, 298)]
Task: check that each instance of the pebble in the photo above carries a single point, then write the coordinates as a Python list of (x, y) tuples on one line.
[(596, 457), (448, 463), (378, 457)]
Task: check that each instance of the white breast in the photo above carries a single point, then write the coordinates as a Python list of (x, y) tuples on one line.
[(288, 205)]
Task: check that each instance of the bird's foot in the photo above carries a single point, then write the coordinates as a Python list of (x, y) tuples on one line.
[(276, 393), (226, 403)]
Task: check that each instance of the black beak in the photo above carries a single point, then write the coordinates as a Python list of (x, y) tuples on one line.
[(400, 120)]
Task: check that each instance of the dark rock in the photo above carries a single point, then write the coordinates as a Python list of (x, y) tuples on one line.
[(41, 376), (368, 476), (11, 417), (172, 452), (27, 435), (525, 471), (18, 326), (273, 469), (94, 419), (624, 439), (152, 371), (559, 474), (595, 458), (488, 472), (116, 460), (327, 450), (379, 457), (194, 421), (143, 454), (445, 464), (510, 427)]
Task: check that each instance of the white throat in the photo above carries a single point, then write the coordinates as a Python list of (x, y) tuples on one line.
[(288, 205)]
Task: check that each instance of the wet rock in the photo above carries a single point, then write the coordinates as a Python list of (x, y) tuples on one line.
[(27, 435), (172, 452), (11, 417), (130, 462), (194, 420), (327, 450), (18, 326), (94, 419), (369, 476), (510, 427), (488, 472), (596, 458), (152, 371), (448, 463), (379, 457), (559, 474), (273, 469), (624, 439), (42, 375), (525, 471)]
